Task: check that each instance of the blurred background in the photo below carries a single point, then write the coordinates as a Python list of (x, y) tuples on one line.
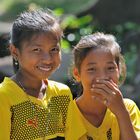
[(81, 17)]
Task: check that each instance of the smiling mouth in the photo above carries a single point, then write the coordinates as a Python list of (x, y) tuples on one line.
[(45, 68)]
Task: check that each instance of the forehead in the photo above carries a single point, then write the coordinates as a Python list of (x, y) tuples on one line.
[(39, 36), (99, 56), (40, 39)]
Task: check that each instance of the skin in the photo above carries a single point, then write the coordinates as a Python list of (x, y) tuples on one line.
[(38, 58), (99, 75)]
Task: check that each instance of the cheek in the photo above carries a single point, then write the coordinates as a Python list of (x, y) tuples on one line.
[(118, 75), (87, 81), (57, 59), (92, 77), (24, 61), (115, 78)]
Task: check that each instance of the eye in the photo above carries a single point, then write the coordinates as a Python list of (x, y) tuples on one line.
[(91, 69), (111, 68), (55, 50), (36, 50)]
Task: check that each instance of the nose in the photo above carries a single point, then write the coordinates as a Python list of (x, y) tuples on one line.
[(47, 57), (102, 75)]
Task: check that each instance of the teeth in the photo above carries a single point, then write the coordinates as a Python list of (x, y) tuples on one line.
[(45, 68)]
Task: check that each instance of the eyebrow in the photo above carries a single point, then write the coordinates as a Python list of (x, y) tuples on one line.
[(94, 63), (110, 62), (91, 63), (35, 44)]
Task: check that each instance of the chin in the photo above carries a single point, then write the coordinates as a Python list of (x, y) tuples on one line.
[(44, 76)]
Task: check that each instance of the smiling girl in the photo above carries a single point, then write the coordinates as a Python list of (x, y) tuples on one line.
[(100, 112), (31, 106)]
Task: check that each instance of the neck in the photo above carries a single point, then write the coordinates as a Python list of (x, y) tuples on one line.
[(28, 81), (88, 105), (93, 111), (30, 86)]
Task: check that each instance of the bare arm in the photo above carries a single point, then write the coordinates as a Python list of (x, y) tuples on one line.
[(112, 98), (125, 125)]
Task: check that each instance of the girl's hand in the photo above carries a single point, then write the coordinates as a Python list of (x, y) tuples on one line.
[(108, 93)]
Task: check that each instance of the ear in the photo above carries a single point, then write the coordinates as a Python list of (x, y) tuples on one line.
[(14, 51), (76, 74)]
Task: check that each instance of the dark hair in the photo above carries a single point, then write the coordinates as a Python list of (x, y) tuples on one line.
[(95, 41), (33, 23), (4, 44)]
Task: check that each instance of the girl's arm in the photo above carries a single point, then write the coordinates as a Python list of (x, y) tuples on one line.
[(126, 127), (126, 111)]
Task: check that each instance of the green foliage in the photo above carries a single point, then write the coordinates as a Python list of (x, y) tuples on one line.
[(11, 8), (58, 12), (125, 33), (65, 46), (70, 6), (131, 57), (73, 22), (75, 27)]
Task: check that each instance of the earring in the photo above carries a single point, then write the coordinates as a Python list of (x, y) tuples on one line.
[(15, 64), (15, 61)]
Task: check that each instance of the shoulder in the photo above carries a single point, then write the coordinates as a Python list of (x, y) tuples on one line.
[(134, 113), (57, 84), (58, 87), (130, 105), (3, 87), (4, 92), (9, 89), (7, 85)]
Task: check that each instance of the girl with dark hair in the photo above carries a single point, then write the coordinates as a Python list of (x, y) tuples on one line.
[(31, 106)]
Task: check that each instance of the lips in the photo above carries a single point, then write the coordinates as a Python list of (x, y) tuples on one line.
[(45, 68)]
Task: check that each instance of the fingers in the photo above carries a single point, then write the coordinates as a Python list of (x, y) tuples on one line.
[(101, 96), (105, 91), (101, 100), (105, 101), (107, 86)]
